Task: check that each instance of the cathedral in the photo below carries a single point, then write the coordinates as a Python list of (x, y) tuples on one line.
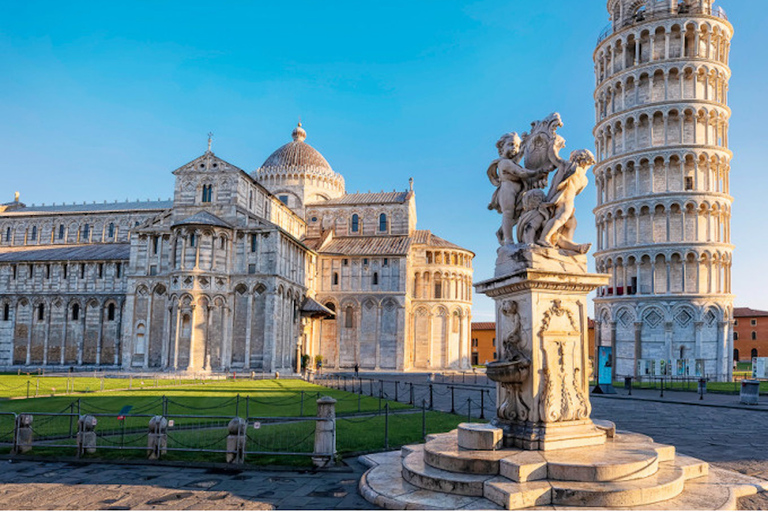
[(237, 272)]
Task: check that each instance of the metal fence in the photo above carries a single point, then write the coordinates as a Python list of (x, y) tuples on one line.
[(154, 436), (465, 400)]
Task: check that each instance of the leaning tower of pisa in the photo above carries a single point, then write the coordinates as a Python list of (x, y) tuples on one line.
[(663, 205)]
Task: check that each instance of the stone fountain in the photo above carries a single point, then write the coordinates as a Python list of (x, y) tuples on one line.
[(543, 448)]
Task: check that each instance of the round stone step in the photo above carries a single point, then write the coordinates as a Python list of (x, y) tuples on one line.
[(419, 473), (667, 483), (443, 452), (605, 463)]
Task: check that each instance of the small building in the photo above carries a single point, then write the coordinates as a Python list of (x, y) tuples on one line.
[(483, 342), (750, 334)]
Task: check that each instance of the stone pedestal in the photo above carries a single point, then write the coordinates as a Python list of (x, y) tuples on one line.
[(157, 438), (542, 373), (86, 435), (23, 437), (236, 441), (325, 433)]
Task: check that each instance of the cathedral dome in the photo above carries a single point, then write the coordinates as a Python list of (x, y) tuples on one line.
[(298, 174), (297, 155)]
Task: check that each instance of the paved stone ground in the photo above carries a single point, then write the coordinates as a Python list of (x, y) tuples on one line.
[(28, 485)]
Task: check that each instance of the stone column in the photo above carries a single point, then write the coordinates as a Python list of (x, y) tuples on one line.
[(166, 346), (638, 346), (148, 335), (47, 333), (697, 339), (177, 313), (64, 334), (325, 433), (100, 337), (614, 348), (248, 321), (668, 329)]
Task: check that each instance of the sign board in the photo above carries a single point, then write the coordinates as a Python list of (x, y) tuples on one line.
[(760, 367), (94, 422), (124, 412), (257, 425), (170, 423), (604, 365)]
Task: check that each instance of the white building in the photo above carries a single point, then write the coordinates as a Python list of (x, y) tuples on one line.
[(663, 207), (238, 271)]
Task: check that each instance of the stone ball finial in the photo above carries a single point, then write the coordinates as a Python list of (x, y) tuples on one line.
[(299, 133)]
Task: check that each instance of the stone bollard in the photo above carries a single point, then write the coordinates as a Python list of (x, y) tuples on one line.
[(325, 432), (236, 441), (86, 435), (22, 441), (157, 439)]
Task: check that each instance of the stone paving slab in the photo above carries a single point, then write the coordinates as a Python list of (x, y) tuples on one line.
[(32, 485)]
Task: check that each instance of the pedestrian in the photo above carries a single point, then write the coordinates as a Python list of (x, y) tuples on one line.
[(357, 370)]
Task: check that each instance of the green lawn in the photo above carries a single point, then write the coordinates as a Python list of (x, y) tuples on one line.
[(13, 385), (266, 399)]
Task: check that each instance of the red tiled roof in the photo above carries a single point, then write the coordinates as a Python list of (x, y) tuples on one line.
[(425, 237), (367, 198), (745, 312), (367, 245), (483, 326)]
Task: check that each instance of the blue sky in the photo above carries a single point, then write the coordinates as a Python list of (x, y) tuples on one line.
[(101, 101)]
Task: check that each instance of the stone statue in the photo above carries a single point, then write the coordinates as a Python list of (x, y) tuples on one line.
[(511, 181), (545, 220), (567, 183)]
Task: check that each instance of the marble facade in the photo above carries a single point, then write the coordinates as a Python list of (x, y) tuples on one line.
[(238, 271)]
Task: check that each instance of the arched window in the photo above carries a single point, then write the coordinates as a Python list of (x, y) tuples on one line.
[(7, 234), (207, 193), (34, 233), (76, 312), (754, 335), (383, 222), (86, 231), (438, 288), (111, 230), (61, 231), (335, 278), (355, 223), (753, 353), (349, 318), (111, 312), (6, 312), (375, 280), (192, 240), (41, 311)]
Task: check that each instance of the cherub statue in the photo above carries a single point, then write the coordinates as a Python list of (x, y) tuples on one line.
[(535, 215), (569, 180), (511, 181)]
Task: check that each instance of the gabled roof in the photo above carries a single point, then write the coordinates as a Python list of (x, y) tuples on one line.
[(425, 237), (483, 326), (208, 162), (89, 252), (363, 245), (203, 218), (748, 312), (367, 198), (311, 307)]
